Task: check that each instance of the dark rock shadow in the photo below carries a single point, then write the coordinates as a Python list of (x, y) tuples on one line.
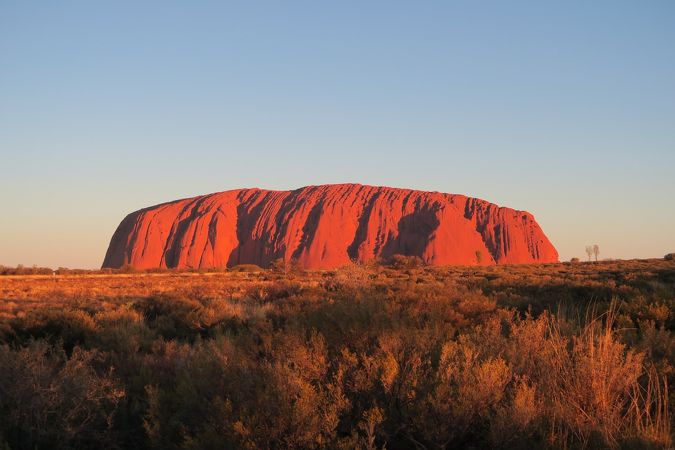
[(362, 228), (171, 253), (414, 232)]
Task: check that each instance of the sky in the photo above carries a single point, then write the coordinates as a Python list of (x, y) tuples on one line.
[(564, 109)]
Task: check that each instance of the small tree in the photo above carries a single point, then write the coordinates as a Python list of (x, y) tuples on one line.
[(398, 261), (589, 251), (278, 265), (596, 251), (282, 265)]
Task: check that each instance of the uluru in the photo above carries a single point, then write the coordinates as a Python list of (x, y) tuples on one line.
[(325, 227)]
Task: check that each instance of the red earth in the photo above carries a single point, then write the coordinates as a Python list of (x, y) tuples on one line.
[(325, 227)]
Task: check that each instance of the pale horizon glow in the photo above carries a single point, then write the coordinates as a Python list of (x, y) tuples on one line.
[(564, 110)]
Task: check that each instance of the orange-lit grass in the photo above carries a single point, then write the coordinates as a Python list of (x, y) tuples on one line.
[(560, 355)]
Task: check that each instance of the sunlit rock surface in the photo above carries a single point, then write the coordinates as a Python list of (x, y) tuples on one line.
[(326, 227)]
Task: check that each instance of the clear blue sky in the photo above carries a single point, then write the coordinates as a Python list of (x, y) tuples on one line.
[(565, 109)]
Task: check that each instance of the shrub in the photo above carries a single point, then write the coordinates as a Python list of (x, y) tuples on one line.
[(127, 268), (50, 400), (173, 316), (71, 327), (246, 268), (405, 262)]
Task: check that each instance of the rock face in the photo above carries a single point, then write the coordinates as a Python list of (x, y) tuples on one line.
[(326, 227)]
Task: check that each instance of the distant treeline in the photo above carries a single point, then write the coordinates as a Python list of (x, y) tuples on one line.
[(279, 265), (36, 270), (22, 270)]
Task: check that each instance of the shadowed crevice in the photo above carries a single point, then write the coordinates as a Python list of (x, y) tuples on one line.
[(172, 252), (362, 230)]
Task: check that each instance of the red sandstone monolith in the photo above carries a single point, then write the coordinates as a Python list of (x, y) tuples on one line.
[(326, 227)]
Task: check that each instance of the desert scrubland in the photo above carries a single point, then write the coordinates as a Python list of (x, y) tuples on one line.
[(367, 356)]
